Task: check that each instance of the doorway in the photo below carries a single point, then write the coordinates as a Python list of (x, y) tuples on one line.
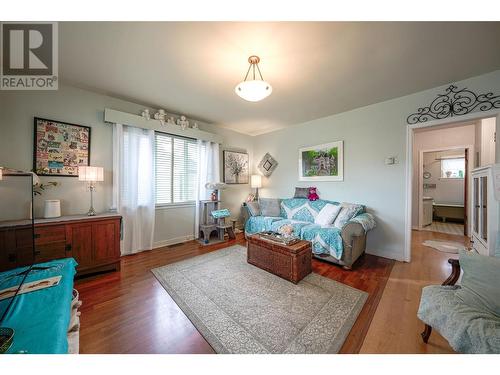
[(478, 149), (442, 194)]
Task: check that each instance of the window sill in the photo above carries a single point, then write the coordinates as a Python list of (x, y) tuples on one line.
[(170, 206), (451, 178)]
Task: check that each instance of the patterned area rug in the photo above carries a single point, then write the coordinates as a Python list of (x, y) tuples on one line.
[(240, 308), (450, 228)]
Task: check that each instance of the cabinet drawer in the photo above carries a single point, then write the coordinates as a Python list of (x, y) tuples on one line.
[(24, 237), (50, 251), (45, 235)]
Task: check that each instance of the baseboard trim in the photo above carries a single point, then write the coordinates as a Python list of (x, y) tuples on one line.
[(173, 241), (391, 254)]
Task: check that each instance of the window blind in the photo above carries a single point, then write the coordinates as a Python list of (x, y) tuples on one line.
[(176, 169)]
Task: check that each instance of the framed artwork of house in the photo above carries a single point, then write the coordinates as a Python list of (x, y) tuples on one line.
[(322, 162), (60, 147), (235, 167)]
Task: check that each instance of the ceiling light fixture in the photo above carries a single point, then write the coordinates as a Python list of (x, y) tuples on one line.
[(254, 89)]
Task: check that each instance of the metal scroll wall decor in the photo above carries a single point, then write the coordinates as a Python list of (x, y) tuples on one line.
[(454, 102)]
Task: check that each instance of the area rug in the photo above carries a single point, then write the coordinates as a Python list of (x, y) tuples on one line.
[(240, 308), (445, 246)]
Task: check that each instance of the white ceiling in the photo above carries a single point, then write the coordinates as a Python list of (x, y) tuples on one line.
[(316, 68)]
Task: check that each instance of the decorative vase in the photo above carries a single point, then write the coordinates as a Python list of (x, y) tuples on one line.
[(52, 208)]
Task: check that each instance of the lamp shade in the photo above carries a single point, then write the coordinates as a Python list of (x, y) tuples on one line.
[(256, 181), (254, 90), (90, 174)]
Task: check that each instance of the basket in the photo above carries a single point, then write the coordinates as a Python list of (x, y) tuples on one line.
[(6, 338)]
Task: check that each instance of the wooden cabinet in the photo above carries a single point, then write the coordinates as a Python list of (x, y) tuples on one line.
[(79, 241), (94, 242), (106, 239), (50, 243), (16, 246)]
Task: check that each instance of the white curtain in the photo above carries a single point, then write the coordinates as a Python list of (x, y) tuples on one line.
[(208, 171), (134, 186)]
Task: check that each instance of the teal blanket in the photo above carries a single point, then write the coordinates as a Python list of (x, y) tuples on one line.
[(41, 318), (300, 214), (324, 240)]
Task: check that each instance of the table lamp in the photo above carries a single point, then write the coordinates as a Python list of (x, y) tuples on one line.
[(91, 175), (256, 183)]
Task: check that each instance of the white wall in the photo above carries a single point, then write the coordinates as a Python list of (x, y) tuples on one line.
[(18, 206), (370, 134), (83, 107), (488, 128), (439, 139)]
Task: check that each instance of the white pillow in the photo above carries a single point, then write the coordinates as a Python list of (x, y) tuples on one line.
[(327, 214)]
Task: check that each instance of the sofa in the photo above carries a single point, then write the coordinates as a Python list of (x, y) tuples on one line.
[(341, 242), (467, 315)]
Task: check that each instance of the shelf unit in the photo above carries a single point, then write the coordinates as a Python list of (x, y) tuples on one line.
[(484, 212)]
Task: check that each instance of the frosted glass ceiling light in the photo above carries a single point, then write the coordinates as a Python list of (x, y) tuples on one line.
[(253, 90)]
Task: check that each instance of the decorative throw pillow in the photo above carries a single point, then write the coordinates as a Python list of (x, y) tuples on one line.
[(480, 281), (301, 192), (269, 207), (253, 208), (327, 214), (347, 212)]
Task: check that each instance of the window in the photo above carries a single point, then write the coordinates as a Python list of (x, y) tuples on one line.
[(453, 167), (176, 169)]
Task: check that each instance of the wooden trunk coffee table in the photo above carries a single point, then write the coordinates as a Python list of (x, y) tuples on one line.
[(292, 262)]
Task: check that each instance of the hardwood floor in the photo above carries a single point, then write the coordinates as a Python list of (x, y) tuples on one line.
[(130, 312), (370, 273), (395, 327)]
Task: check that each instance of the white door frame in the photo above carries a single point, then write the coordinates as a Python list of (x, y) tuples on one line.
[(471, 159), (410, 130)]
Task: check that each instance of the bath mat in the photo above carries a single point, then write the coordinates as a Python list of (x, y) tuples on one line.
[(445, 246)]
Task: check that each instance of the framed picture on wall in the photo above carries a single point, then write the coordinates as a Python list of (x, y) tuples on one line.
[(267, 165), (235, 167), (322, 162), (60, 147)]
